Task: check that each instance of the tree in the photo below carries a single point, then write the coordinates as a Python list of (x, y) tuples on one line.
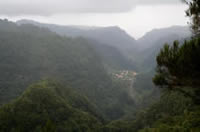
[(194, 13), (178, 68)]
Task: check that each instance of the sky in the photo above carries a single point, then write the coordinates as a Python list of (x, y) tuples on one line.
[(134, 16)]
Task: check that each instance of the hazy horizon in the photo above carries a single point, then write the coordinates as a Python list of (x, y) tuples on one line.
[(135, 17)]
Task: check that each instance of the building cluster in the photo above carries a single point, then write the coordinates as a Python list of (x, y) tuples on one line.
[(125, 75)]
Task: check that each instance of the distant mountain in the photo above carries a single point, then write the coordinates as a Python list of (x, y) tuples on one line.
[(165, 34), (112, 36), (110, 43), (114, 45), (151, 43)]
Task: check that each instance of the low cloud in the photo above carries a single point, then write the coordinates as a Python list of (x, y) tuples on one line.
[(51, 7)]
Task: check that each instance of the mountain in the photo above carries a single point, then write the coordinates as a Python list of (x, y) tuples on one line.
[(29, 53), (112, 36), (110, 42), (165, 34), (136, 50), (89, 97)]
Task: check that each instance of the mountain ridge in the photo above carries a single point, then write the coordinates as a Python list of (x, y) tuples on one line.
[(112, 36)]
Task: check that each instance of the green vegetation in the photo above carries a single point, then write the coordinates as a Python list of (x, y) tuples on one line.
[(178, 68), (178, 72), (98, 89), (172, 113), (47, 107)]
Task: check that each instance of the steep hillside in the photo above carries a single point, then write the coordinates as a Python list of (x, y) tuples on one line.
[(112, 59), (29, 53)]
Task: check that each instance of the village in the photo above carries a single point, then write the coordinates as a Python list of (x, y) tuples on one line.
[(124, 75)]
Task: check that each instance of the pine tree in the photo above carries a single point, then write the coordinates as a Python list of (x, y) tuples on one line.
[(193, 12), (178, 67)]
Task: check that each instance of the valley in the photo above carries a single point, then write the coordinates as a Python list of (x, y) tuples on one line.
[(96, 79)]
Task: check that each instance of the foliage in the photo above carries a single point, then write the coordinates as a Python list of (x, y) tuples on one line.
[(42, 107), (170, 104), (170, 113), (178, 67), (187, 122)]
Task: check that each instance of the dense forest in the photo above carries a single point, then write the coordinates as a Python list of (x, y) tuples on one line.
[(55, 79)]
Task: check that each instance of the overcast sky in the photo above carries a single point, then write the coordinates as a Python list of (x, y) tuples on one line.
[(135, 16)]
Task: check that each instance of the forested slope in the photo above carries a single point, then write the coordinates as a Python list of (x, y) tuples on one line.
[(29, 54), (48, 106)]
